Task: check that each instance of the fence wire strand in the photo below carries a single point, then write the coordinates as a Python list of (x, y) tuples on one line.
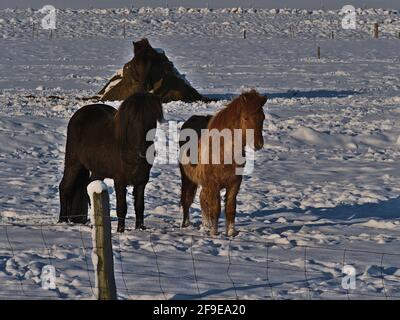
[(157, 265), (229, 267), (86, 260), (122, 265), (13, 256), (194, 267), (267, 274)]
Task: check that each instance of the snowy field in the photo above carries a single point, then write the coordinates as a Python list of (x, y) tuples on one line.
[(324, 193)]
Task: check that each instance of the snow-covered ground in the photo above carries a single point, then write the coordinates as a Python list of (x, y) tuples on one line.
[(324, 193)]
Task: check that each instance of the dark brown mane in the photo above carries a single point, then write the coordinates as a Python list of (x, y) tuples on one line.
[(140, 46), (141, 108)]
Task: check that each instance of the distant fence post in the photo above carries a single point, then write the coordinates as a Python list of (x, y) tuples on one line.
[(244, 34), (291, 32), (102, 255), (319, 52), (376, 30)]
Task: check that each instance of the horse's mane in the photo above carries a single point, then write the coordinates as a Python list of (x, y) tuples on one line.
[(229, 116), (136, 115)]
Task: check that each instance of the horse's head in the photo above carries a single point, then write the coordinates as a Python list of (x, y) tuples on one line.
[(149, 66), (252, 116)]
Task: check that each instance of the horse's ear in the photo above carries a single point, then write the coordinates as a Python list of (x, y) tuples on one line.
[(263, 99), (141, 45)]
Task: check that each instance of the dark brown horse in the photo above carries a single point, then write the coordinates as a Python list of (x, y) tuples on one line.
[(245, 112), (105, 143)]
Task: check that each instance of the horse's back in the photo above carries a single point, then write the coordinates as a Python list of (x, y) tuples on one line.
[(89, 117), (92, 112), (89, 129), (196, 123)]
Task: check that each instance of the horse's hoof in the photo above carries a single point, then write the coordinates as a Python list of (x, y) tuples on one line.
[(140, 227), (232, 232), (185, 224), (121, 229), (213, 231), (62, 220), (82, 221), (79, 220)]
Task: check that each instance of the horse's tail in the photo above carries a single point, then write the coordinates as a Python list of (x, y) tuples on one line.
[(80, 199)]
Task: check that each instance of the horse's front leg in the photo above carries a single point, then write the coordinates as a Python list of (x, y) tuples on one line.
[(120, 191), (138, 194), (210, 201), (230, 208)]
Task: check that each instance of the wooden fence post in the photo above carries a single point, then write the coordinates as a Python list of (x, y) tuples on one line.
[(376, 30), (102, 255), (319, 52), (244, 34)]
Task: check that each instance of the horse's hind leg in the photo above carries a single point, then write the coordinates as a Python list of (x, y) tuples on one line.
[(188, 192), (120, 192), (80, 198), (63, 200)]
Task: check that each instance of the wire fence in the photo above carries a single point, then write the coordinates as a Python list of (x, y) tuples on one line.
[(186, 264)]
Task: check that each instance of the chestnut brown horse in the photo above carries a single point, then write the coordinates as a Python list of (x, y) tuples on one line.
[(243, 113), (105, 143)]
